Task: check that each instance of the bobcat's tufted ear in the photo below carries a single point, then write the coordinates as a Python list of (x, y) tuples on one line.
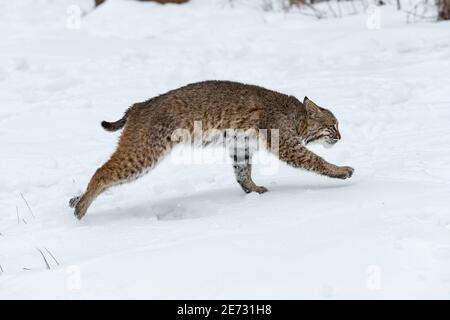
[(312, 109)]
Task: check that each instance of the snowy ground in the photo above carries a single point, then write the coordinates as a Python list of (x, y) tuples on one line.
[(188, 231)]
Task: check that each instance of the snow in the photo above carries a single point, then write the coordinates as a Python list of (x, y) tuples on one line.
[(187, 230)]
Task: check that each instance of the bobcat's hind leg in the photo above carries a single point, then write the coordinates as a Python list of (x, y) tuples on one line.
[(124, 166), (243, 169), (115, 171)]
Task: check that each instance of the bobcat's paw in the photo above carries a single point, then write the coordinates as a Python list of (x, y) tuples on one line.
[(260, 189), (74, 201), (345, 172), (79, 212), (79, 205)]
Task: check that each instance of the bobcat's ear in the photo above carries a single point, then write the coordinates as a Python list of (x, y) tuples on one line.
[(312, 109)]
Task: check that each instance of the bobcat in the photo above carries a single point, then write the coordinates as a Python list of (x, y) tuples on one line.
[(148, 132)]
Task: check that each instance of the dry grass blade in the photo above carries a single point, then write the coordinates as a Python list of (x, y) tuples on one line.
[(17, 212), (26, 202), (43, 257), (51, 255)]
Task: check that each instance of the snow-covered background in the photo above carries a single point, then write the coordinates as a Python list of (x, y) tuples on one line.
[(188, 230)]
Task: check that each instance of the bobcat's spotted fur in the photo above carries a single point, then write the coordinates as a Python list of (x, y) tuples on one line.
[(148, 127)]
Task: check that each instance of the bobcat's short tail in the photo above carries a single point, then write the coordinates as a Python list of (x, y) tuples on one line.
[(114, 126)]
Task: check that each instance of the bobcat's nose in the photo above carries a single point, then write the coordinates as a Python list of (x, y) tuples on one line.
[(338, 136)]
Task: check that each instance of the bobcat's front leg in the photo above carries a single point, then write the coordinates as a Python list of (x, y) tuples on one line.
[(241, 153), (300, 157)]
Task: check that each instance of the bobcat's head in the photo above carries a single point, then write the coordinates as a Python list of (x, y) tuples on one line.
[(321, 125)]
